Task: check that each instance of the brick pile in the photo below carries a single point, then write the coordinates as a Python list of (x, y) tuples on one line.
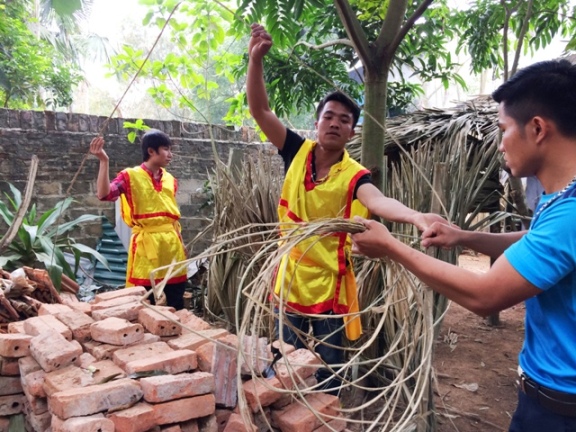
[(117, 365)]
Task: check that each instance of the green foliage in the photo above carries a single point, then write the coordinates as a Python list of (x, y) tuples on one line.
[(136, 127), (34, 74), (43, 238), (186, 77), (484, 26)]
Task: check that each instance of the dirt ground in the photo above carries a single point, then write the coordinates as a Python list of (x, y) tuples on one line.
[(475, 366)]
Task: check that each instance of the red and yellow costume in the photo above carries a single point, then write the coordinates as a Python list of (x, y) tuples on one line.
[(317, 276), (150, 209)]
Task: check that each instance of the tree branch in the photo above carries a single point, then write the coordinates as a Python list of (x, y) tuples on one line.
[(391, 26), (353, 29), (346, 42), (409, 24), (521, 35)]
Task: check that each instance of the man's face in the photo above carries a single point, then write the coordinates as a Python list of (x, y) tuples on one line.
[(162, 157), (516, 145), (334, 126)]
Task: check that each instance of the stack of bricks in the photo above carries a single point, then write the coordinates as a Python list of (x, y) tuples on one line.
[(117, 365)]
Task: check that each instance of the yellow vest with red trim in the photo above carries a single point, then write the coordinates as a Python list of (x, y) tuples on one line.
[(154, 218), (317, 275)]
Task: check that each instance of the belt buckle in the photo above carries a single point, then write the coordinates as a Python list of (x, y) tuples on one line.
[(521, 381)]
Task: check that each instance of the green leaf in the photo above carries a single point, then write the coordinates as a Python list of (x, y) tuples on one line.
[(55, 273), (65, 8), (86, 250)]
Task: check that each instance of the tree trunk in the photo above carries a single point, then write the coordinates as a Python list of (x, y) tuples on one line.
[(373, 129)]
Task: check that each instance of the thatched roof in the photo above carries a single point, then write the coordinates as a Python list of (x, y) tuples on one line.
[(465, 137), (474, 120)]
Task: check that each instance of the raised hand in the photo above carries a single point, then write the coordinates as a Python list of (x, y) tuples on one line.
[(97, 149), (260, 42)]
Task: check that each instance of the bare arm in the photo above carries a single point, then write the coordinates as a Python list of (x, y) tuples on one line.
[(103, 181), (393, 210), (490, 244), (260, 44), (482, 293)]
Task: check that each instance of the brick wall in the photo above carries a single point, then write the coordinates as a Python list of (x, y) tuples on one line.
[(61, 141)]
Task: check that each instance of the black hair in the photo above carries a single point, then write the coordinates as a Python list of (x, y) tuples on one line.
[(344, 100), (154, 139), (546, 89)]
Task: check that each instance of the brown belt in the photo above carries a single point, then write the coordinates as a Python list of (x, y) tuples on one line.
[(558, 402)]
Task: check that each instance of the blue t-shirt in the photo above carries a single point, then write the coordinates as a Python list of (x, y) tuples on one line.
[(546, 257)]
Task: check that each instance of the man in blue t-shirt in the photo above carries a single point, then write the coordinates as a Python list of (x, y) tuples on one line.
[(538, 123)]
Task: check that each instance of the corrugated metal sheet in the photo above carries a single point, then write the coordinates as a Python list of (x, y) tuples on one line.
[(111, 247)]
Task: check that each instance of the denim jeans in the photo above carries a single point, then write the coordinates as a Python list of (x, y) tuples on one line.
[(327, 330), (531, 417)]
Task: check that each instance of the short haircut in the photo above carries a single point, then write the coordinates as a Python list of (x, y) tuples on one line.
[(154, 139), (344, 100), (546, 89)]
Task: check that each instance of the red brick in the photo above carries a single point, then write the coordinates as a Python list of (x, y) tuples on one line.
[(78, 322), (9, 366), (117, 301), (164, 388), (138, 418), (140, 351), (14, 345), (73, 376), (237, 424), (40, 324), (53, 309), (28, 364), (288, 398), (52, 351), (116, 331), (33, 383), (93, 399), (173, 362), (261, 392), (188, 319), (10, 385), (132, 291), (171, 428), (225, 369), (297, 417), (192, 341), (159, 322), (337, 424), (184, 409), (72, 301), (296, 367), (93, 423), (204, 355), (127, 311), (205, 352), (255, 356), (16, 327), (13, 404)]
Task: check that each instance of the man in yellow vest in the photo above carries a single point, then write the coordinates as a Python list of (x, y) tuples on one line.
[(322, 181), (148, 194)]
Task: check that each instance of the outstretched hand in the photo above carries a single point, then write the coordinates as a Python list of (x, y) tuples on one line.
[(260, 42), (423, 221), (373, 241), (441, 235), (97, 149)]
